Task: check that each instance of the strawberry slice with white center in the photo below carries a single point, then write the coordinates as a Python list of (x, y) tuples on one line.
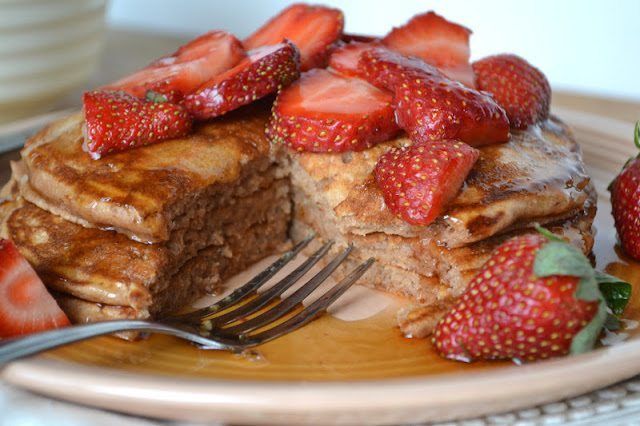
[(345, 58), (326, 112), (185, 70), (313, 29), (25, 304), (266, 70), (438, 42), (419, 181)]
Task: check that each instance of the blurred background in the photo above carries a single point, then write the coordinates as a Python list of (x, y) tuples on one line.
[(585, 45), (51, 50)]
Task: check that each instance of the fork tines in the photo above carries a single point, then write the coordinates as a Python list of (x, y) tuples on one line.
[(254, 318)]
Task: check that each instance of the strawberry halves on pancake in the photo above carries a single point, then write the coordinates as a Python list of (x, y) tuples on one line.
[(313, 29)]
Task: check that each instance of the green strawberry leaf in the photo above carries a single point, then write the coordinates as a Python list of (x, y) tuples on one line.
[(156, 97), (560, 258), (550, 235), (588, 289), (636, 134), (587, 337), (615, 291), (612, 323)]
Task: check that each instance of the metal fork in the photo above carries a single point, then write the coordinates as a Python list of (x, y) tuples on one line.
[(241, 320)]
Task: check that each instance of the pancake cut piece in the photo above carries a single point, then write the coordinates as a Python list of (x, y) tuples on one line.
[(428, 278), (152, 192), (146, 280), (538, 176)]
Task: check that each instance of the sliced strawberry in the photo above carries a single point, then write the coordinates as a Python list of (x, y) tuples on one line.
[(519, 87), (266, 70), (420, 180), (387, 69), (186, 69), (25, 304), (430, 106), (313, 29), (432, 110), (117, 121), (345, 59), (438, 42), (326, 112)]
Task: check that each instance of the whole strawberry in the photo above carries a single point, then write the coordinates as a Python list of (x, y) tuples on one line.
[(536, 297), (625, 203), (419, 181), (117, 121), (520, 88)]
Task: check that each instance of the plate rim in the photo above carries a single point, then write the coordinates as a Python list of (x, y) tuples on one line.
[(406, 398)]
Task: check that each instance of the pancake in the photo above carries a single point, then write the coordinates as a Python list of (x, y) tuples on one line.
[(427, 297), (145, 232), (150, 192), (140, 234), (108, 268), (538, 176)]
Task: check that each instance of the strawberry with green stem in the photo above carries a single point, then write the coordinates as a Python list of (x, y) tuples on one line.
[(536, 297), (625, 202)]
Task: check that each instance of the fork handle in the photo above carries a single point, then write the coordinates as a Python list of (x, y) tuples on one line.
[(20, 347)]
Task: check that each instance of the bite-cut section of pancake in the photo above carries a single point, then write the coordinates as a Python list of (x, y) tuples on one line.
[(538, 176), (418, 320), (108, 268), (149, 192), (428, 296)]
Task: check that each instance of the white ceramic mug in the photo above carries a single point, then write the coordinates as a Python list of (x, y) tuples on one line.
[(47, 48)]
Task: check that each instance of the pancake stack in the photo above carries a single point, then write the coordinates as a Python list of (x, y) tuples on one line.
[(538, 177), (143, 233)]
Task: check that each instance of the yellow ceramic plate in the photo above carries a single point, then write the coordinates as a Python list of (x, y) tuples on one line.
[(352, 367)]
